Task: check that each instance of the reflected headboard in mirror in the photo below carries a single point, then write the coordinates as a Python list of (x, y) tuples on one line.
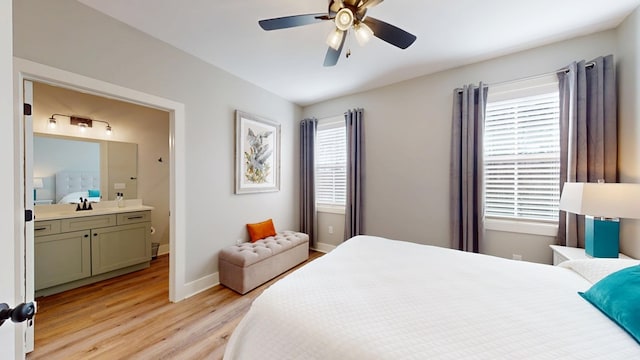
[(71, 185), (115, 163)]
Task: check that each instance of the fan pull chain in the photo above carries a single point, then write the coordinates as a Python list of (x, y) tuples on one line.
[(348, 53)]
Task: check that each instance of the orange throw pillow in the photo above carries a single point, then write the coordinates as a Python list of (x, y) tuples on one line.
[(261, 230)]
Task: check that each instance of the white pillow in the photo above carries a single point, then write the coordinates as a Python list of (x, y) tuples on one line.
[(597, 268)]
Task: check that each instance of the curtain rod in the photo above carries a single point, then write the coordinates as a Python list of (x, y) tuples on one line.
[(590, 64)]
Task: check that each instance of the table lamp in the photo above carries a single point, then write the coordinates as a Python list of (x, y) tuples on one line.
[(603, 205), (37, 184)]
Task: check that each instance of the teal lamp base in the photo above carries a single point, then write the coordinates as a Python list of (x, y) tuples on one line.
[(601, 237)]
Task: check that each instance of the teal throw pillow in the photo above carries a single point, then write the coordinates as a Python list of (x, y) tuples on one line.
[(94, 193), (618, 297)]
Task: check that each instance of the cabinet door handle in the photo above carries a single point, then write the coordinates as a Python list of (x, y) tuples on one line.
[(42, 228), (95, 234), (135, 217), (86, 235)]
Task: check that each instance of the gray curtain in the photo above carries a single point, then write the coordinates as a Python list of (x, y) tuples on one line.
[(308, 215), (353, 209), (466, 207), (588, 133)]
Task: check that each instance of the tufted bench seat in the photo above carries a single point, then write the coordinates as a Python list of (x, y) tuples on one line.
[(244, 267)]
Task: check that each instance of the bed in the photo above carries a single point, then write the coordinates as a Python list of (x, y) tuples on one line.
[(375, 298), (72, 185)]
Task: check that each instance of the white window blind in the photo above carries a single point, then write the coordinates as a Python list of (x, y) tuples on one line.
[(331, 162), (522, 157)]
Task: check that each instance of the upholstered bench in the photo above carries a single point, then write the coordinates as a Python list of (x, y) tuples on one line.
[(246, 266)]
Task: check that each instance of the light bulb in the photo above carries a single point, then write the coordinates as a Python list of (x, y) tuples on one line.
[(52, 123), (83, 127), (344, 19), (108, 130), (335, 39)]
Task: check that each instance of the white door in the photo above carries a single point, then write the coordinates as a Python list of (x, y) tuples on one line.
[(9, 348), (28, 205)]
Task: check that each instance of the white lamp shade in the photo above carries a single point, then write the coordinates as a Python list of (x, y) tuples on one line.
[(608, 200), (38, 183)]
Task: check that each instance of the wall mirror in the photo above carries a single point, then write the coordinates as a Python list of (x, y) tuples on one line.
[(65, 168)]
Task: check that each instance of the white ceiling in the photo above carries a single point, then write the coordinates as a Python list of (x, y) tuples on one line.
[(288, 62)]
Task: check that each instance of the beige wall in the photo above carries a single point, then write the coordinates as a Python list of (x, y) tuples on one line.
[(407, 133), (67, 35), (629, 121), (147, 127)]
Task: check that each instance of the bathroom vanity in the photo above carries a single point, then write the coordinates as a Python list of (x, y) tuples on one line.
[(76, 248)]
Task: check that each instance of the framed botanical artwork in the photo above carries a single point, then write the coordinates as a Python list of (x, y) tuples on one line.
[(257, 154)]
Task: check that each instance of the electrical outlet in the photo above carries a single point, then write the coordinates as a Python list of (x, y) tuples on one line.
[(517, 257), (330, 229)]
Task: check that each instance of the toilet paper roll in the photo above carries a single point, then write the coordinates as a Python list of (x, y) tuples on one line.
[(153, 230)]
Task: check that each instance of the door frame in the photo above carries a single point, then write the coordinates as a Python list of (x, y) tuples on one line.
[(32, 71)]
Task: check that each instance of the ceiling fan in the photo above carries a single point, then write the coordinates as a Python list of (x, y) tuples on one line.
[(347, 14)]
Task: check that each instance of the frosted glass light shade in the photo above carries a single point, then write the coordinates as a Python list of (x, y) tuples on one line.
[(363, 33), (344, 19), (335, 39)]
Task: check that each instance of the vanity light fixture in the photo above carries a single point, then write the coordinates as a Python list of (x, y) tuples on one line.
[(52, 122), (82, 122)]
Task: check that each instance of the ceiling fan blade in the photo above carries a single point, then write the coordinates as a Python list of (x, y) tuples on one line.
[(389, 33), (333, 55), (292, 21)]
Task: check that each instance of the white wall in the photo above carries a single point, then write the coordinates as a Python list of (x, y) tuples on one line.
[(629, 121), (68, 35), (11, 347), (407, 131)]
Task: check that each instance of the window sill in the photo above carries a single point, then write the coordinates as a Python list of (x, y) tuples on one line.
[(521, 226), (330, 209)]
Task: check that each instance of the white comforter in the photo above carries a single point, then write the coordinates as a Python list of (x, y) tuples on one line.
[(374, 298)]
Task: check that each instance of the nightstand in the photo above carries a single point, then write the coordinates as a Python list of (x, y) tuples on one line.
[(564, 253)]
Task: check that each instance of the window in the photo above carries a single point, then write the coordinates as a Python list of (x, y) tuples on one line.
[(331, 162), (522, 151)]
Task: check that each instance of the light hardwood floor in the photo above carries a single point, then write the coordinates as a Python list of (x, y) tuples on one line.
[(130, 317)]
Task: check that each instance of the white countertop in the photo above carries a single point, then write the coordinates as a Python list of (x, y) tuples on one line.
[(65, 211)]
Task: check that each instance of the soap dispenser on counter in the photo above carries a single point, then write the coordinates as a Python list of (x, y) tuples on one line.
[(120, 199)]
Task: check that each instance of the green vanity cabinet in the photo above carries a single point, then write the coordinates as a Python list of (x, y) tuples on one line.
[(62, 258), (72, 252), (116, 247)]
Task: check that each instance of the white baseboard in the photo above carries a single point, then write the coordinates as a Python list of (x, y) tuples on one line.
[(194, 287), (209, 281), (200, 285), (324, 248), (163, 249)]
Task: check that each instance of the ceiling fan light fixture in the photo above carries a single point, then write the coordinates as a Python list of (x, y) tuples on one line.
[(344, 19), (335, 38), (363, 33)]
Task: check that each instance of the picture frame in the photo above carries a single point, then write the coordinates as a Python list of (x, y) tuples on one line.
[(257, 155)]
